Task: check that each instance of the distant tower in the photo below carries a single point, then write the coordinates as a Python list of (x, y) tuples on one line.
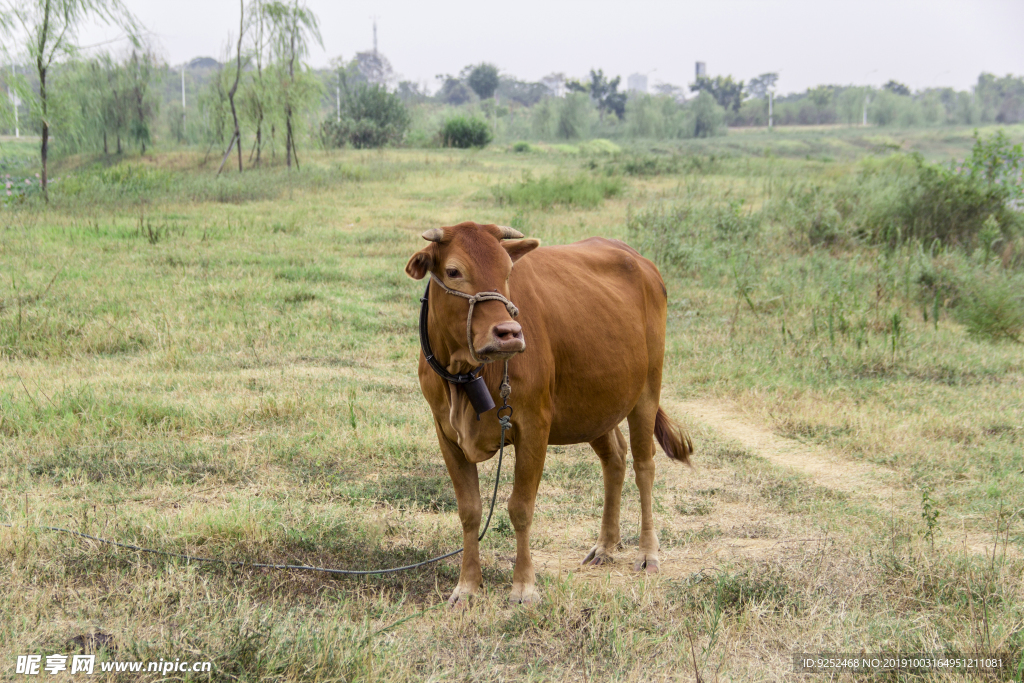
[(637, 83), (702, 69)]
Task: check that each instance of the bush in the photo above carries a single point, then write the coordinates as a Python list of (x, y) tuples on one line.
[(464, 132), (371, 117), (937, 203), (583, 191), (993, 308)]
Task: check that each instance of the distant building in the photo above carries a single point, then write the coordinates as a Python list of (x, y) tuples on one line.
[(702, 69), (637, 83)]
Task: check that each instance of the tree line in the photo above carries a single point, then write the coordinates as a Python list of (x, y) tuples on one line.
[(264, 97)]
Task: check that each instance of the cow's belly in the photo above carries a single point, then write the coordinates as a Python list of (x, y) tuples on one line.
[(590, 401)]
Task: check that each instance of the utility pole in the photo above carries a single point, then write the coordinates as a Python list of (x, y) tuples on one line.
[(867, 99), (339, 102), (771, 97)]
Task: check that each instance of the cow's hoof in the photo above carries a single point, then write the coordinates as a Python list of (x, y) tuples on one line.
[(460, 598), (524, 595), (648, 563), (597, 556)]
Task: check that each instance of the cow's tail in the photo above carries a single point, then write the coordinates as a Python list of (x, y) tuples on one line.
[(673, 438)]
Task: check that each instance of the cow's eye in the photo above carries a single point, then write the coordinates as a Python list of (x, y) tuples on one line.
[(452, 273)]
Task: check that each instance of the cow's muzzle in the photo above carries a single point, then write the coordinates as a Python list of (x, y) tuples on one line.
[(506, 341)]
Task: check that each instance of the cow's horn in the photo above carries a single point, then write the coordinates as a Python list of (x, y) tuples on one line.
[(510, 233), (433, 235)]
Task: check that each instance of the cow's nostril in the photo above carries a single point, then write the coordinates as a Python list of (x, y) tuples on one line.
[(508, 331)]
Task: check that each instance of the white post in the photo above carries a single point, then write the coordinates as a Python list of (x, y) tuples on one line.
[(864, 121), (771, 96), (339, 103)]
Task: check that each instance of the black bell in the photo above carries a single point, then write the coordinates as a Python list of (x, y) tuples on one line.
[(479, 395)]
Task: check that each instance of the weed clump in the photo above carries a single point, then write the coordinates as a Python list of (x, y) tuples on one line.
[(465, 132), (993, 308), (582, 191)]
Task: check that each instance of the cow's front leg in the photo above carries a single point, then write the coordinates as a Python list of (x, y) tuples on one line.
[(529, 466), (467, 494)]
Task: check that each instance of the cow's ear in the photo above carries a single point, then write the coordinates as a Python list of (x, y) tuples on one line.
[(520, 248), (421, 263)]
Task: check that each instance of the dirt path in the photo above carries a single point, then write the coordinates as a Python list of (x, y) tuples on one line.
[(822, 467), (710, 518)]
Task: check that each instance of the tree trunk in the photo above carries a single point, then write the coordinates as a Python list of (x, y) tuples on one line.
[(105, 152), (234, 88), (288, 135), (45, 144), (119, 143), (289, 139)]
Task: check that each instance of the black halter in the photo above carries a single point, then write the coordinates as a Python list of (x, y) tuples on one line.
[(471, 382)]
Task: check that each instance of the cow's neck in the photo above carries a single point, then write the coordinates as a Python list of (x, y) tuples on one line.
[(477, 438)]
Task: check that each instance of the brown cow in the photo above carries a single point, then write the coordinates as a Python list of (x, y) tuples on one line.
[(586, 352)]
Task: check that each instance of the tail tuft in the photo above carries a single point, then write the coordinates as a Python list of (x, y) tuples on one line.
[(673, 438)]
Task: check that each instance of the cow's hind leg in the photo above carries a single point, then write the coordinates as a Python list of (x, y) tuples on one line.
[(466, 481), (611, 449), (641, 438)]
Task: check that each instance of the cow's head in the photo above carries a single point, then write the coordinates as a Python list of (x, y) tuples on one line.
[(473, 258)]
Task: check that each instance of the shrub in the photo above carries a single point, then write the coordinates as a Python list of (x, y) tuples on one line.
[(464, 132), (937, 203), (583, 191), (993, 308), (521, 147), (371, 117)]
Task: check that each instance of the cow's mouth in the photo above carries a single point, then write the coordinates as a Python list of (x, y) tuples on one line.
[(501, 349), (506, 341)]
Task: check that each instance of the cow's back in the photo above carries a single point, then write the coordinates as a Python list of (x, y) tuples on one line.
[(593, 314)]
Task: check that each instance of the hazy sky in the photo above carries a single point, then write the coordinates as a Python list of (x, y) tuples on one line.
[(921, 43)]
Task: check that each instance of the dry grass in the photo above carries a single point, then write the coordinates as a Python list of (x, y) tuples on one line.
[(243, 387)]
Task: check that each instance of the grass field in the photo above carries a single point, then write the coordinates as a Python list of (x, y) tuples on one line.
[(227, 368)]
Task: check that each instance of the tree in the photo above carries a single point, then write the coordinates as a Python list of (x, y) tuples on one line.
[(374, 68), (708, 116), (897, 88), (603, 92), (256, 92), (408, 91), (141, 72), (670, 90), (521, 92), (727, 92), (51, 27), (371, 117), (294, 26), (482, 78), (237, 136), (453, 91), (821, 97), (758, 87)]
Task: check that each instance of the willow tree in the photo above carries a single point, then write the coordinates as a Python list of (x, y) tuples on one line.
[(51, 28), (257, 94), (293, 27)]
